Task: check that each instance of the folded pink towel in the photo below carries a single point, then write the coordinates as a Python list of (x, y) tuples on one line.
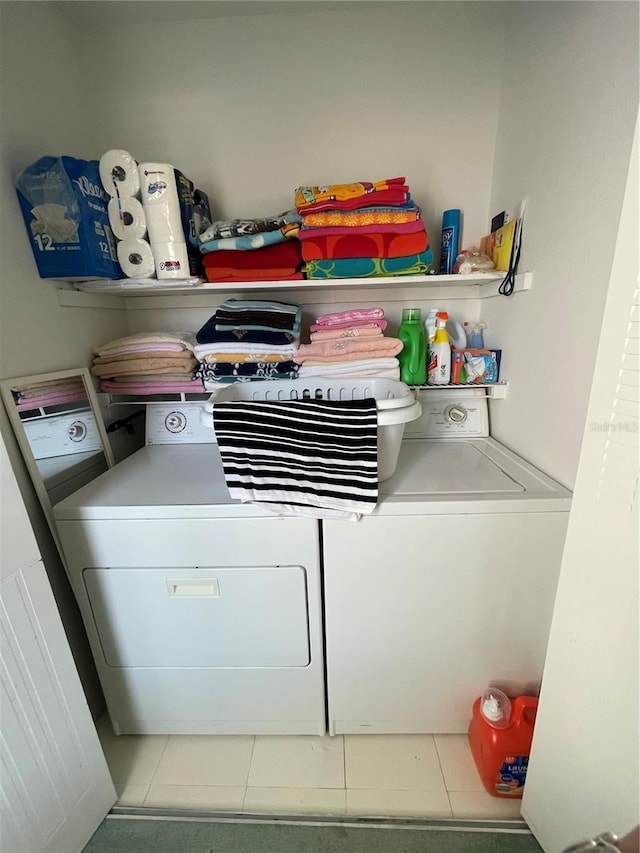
[(365, 315), (51, 399), (369, 331), (347, 349), (350, 324)]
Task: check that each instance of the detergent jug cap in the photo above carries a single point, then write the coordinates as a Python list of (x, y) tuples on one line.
[(411, 313), (495, 707)]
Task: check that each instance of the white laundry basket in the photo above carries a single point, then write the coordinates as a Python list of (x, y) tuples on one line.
[(395, 403)]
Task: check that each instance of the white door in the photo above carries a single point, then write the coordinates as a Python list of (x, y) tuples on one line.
[(55, 786), (583, 773)]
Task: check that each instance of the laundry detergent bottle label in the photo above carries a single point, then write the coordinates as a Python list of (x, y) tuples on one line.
[(512, 775)]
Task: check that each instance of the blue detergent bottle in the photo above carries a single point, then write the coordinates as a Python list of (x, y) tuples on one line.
[(413, 357)]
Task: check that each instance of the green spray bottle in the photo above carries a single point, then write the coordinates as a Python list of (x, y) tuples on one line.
[(413, 357)]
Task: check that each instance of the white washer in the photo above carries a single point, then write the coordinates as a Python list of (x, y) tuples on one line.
[(203, 614), (448, 586)]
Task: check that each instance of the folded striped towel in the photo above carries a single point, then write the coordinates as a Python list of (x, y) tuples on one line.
[(301, 457)]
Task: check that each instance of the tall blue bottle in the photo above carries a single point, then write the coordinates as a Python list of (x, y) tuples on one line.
[(450, 239)]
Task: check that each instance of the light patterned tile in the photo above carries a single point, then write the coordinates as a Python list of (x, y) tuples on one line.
[(132, 759), (458, 767), (367, 803), (214, 797), (328, 801), (205, 760), (298, 761), (392, 762), (131, 795), (470, 804)]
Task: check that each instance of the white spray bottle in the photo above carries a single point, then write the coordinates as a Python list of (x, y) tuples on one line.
[(439, 372)]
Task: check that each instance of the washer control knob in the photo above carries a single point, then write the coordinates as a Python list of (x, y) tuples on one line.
[(455, 414), (175, 422), (77, 431)]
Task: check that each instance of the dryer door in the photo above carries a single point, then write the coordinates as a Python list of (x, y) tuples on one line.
[(200, 617)]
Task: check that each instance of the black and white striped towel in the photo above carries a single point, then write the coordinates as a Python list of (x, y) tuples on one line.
[(301, 457)]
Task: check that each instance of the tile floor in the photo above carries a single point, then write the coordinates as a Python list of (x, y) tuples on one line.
[(390, 775)]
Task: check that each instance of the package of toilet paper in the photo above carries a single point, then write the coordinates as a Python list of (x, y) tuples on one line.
[(167, 200), (64, 206)]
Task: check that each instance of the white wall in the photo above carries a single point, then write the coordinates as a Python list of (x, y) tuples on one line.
[(42, 113), (567, 112), (251, 107)]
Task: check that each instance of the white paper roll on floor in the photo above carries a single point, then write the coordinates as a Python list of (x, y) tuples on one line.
[(119, 173), (136, 258), (171, 259), (127, 218)]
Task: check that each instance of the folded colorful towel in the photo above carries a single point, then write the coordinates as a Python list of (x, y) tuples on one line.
[(408, 212), (351, 196), (251, 241), (346, 231), (230, 228), (370, 267), (365, 246)]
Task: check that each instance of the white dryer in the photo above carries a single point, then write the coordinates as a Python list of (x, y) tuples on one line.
[(204, 615), (449, 585)]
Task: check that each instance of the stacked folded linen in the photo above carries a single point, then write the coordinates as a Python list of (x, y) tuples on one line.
[(248, 340), (280, 261), (362, 230), (148, 363), (350, 343), (253, 249), (32, 395)]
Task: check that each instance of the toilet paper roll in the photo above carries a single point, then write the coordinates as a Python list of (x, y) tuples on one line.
[(119, 173), (127, 218), (136, 258), (171, 259)]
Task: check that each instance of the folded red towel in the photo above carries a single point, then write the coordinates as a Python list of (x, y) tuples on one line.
[(278, 255), (365, 246)]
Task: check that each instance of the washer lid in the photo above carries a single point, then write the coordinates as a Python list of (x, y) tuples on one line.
[(160, 481), (447, 468)]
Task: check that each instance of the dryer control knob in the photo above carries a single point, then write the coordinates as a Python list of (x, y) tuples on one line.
[(456, 414), (77, 431), (175, 422)]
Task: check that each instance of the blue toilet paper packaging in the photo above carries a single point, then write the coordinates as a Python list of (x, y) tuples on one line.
[(64, 206)]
